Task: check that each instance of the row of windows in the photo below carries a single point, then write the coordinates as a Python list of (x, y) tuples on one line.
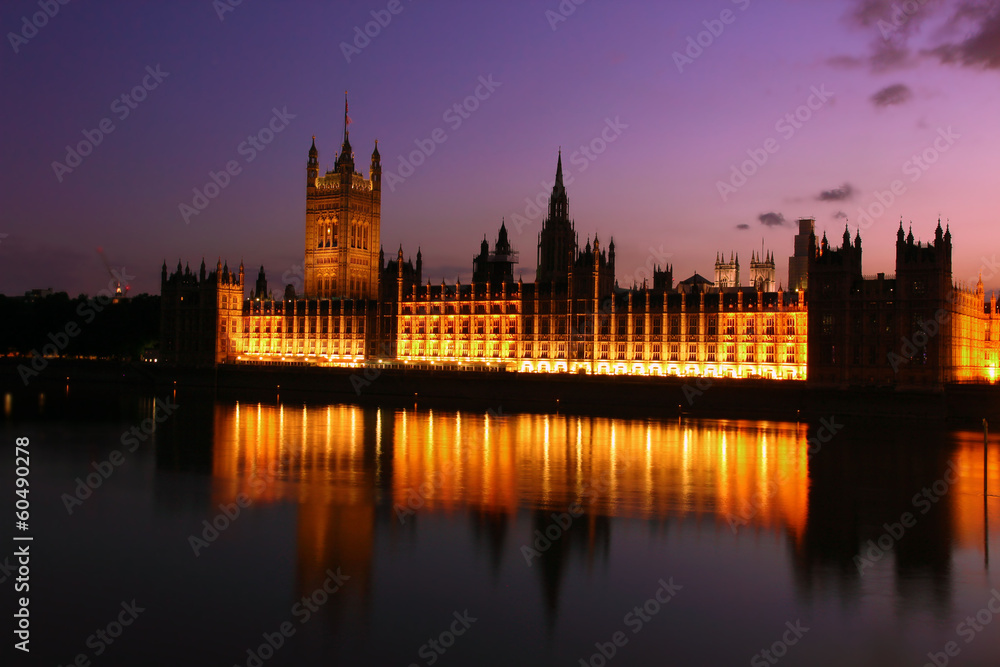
[(605, 352), (327, 237)]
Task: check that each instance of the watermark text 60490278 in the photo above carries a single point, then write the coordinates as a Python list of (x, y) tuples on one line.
[(22, 469)]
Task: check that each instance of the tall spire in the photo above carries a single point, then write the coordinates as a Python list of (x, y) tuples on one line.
[(559, 202), (559, 175)]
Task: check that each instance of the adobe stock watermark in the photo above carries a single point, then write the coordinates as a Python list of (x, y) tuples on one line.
[(436, 647), (249, 149), (363, 36), (914, 167), (59, 340), (122, 107), (968, 630), (229, 513), (105, 637), (755, 503), (924, 500), (417, 496), (223, 7), (455, 116), (587, 153), (697, 44), (901, 13), (786, 126), (635, 620), (779, 649), (562, 12), (130, 440), (563, 521), (37, 21), (303, 611), (657, 258)]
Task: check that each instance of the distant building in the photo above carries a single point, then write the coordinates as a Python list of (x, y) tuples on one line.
[(798, 263)]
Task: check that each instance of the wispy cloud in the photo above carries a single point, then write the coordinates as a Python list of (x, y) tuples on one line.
[(897, 93)]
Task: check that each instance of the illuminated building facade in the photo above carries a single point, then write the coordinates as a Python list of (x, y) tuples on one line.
[(358, 309), (343, 219)]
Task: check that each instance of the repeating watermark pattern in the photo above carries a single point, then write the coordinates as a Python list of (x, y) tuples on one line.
[(581, 159), (37, 21), (248, 149), (103, 638), (779, 649), (229, 513), (635, 620), (436, 647), (455, 116), (901, 13), (563, 521), (2, 237), (363, 36), (756, 502), (364, 379), (786, 126), (968, 630), (417, 496), (924, 500), (59, 340), (914, 347), (130, 440), (223, 7), (122, 107), (303, 611), (562, 12), (697, 44), (914, 167)]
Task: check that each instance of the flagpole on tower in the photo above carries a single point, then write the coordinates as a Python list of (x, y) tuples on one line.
[(347, 118)]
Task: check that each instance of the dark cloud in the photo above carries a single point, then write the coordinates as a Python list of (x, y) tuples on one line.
[(980, 48), (743, 226), (845, 191), (771, 219), (964, 33), (897, 93), (839, 215)]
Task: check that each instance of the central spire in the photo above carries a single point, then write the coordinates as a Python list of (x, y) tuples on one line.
[(559, 202), (559, 175), (346, 153)]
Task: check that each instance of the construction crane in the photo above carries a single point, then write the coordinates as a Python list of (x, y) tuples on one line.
[(120, 291)]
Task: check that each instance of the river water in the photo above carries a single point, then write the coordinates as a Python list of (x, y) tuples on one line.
[(287, 533)]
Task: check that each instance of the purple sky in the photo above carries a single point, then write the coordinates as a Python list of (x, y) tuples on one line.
[(682, 125)]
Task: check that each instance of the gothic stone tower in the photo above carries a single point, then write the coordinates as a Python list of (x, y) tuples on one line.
[(762, 272), (343, 219), (727, 274), (557, 240)]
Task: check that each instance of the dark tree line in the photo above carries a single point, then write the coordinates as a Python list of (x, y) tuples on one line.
[(81, 327)]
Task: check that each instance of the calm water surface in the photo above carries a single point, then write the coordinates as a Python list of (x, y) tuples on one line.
[(507, 539)]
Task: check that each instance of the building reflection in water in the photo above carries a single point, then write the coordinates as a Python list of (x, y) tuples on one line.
[(352, 472)]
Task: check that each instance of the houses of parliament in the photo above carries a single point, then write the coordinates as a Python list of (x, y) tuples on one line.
[(831, 326)]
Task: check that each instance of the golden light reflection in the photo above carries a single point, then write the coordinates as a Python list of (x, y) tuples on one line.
[(967, 506), (757, 471)]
